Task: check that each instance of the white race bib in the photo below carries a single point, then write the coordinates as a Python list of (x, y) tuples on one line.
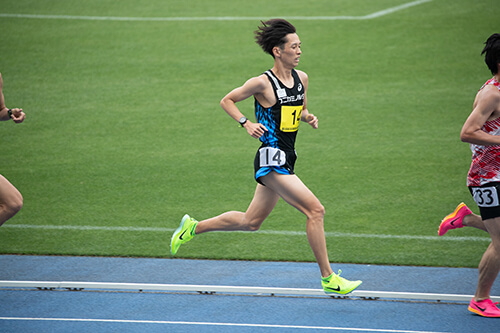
[(270, 156), (485, 196)]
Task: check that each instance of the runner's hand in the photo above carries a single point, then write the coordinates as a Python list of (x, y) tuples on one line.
[(18, 115), (312, 120), (256, 130)]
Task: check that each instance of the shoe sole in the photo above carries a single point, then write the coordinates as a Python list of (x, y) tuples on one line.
[(471, 309)]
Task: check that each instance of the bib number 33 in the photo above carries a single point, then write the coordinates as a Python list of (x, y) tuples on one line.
[(270, 156), (485, 196)]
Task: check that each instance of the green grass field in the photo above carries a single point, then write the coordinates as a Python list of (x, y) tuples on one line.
[(124, 127)]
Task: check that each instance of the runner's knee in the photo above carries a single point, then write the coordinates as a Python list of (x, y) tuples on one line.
[(14, 205), (10, 208), (317, 212)]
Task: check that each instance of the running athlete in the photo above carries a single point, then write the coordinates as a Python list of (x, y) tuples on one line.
[(482, 131), (280, 107), (11, 200)]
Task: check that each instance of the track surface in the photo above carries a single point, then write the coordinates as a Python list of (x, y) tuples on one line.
[(31, 310)]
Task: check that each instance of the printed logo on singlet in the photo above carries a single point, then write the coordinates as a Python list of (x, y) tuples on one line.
[(289, 99), (281, 93)]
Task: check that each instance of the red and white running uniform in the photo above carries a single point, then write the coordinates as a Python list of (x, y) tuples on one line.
[(485, 167)]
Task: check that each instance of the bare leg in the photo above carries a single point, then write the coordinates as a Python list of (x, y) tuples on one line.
[(11, 201), (474, 221), (490, 262), (294, 192), (263, 202)]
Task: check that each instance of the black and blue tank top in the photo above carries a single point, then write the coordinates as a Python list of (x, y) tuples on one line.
[(283, 118)]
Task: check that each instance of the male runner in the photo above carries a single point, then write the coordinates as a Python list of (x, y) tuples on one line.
[(482, 131), (11, 200), (280, 106)]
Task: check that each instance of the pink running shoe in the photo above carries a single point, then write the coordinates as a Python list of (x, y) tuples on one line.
[(485, 308), (454, 220)]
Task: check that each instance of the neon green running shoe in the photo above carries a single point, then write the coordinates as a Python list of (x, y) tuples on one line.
[(336, 284), (183, 234)]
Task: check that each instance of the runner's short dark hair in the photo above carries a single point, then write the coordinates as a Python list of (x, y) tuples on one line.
[(492, 53), (273, 33)]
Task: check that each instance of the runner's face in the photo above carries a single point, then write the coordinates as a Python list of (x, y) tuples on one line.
[(290, 54)]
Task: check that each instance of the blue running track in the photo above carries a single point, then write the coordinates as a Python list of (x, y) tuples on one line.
[(61, 310)]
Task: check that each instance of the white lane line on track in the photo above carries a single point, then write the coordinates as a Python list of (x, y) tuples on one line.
[(169, 322), (263, 232), (231, 290), (217, 18)]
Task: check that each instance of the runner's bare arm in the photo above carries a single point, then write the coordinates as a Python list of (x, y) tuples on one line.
[(252, 87), (488, 103)]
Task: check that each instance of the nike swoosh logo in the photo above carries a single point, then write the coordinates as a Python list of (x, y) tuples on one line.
[(454, 221), (334, 289), (479, 307), (180, 237)]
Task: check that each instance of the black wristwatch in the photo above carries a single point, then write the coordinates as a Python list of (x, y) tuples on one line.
[(242, 121)]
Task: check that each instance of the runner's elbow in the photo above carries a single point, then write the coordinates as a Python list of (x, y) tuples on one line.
[(465, 136), (224, 102)]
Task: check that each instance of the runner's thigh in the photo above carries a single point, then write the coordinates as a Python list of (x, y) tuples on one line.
[(293, 191), (263, 202)]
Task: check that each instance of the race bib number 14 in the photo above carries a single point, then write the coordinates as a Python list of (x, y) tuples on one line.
[(271, 157), (486, 196), (290, 118)]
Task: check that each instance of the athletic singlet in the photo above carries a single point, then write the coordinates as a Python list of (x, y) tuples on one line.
[(485, 167), (282, 121)]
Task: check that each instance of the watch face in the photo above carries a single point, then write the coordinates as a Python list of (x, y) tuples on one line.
[(243, 120)]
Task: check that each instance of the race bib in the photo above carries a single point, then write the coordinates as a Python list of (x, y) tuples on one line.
[(485, 196), (271, 157), (290, 118)]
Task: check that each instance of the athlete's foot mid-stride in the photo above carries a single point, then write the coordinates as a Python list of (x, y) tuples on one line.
[(454, 220), (334, 284), (183, 233), (485, 308)]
